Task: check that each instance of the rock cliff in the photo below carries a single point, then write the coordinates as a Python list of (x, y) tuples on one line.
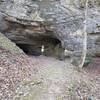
[(32, 23)]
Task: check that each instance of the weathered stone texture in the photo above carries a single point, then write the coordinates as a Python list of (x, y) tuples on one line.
[(25, 20)]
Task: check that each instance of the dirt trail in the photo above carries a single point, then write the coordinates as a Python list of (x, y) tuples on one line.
[(57, 80), (44, 78)]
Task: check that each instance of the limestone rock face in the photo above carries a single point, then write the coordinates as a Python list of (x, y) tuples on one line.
[(30, 22)]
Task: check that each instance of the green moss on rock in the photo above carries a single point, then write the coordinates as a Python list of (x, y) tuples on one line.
[(8, 45)]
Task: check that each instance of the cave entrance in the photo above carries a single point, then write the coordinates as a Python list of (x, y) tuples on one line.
[(52, 46)]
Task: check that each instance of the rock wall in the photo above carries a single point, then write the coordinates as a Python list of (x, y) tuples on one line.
[(29, 21)]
